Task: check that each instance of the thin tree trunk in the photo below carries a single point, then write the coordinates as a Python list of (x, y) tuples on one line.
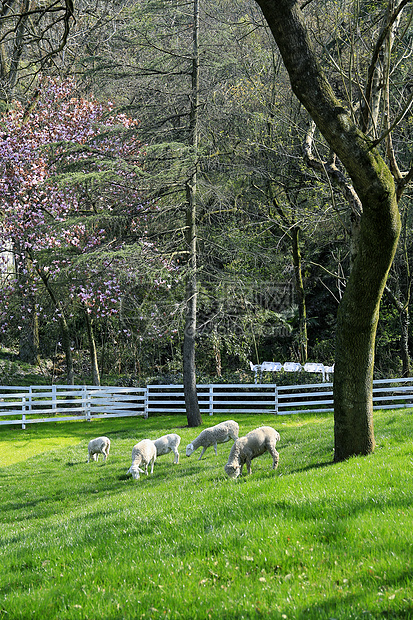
[(404, 342), (292, 231), (64, 328), (217, 351), (29, 344), (92, 350), (404, 320), (18, 46), (29, 338), (299, 285), (67, 348), (189, 366)]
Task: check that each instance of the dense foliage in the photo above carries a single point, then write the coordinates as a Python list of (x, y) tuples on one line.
[(93, 194)]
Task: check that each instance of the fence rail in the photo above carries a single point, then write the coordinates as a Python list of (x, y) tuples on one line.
[(25, 405)]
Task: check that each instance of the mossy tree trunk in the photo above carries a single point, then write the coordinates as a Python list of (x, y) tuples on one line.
[(379, 230)]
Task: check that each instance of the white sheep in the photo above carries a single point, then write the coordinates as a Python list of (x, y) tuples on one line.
[(254, 444), (220, 433), (100, 445), (168, 443), (143, 453)]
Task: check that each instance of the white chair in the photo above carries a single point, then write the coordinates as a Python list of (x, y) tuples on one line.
[(329, 370), (292, 367), (271, 366), (256, 369), (313, 367)]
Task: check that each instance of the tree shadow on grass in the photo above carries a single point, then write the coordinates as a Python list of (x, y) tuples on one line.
[(346, 606), (311, 467)]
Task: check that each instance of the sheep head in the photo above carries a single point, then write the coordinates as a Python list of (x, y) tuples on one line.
[(189, 449), (232, 470), (135, 471)]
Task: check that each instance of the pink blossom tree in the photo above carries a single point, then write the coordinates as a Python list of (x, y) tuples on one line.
[(70, 194)]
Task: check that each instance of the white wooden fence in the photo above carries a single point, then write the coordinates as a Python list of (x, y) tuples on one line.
[(24, 405)]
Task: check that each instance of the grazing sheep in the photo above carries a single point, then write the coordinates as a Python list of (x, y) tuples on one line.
[(143, 453), (100, 445), (168, 443), (212, 436), (254, 444)]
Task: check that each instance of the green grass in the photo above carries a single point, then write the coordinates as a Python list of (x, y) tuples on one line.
[(312, 540)]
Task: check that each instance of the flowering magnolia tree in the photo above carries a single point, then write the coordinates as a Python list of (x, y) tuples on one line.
[(70, 196)]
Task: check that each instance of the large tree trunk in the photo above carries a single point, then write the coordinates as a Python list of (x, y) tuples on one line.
[(189, 368), (379, 230)]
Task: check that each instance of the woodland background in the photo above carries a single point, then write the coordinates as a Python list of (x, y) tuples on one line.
[(96, 157)]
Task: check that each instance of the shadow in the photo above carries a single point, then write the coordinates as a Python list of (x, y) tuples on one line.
[(312, 467), (124, 477), (333, 606)]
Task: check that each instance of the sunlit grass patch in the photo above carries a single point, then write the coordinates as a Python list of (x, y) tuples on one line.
[(21, 448), (312, 540)]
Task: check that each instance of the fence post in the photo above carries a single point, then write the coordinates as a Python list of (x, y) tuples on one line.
[(23, 413), (146, 403), (276, 399), (87, 397), (54, 399), (211, 399), (30, 399)]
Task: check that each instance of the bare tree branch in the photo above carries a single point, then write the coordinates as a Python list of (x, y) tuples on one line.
[(24, 25), (330, 169), (375, 58)]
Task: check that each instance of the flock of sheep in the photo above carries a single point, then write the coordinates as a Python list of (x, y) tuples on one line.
[(244, 449)]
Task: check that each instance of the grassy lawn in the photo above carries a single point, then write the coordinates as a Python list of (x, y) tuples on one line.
[(312, 540)]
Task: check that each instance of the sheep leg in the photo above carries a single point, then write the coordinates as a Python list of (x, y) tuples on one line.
[(202, 453), (215, 448), (176, 459), (248, 464), (152, 464), (275, 458)]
